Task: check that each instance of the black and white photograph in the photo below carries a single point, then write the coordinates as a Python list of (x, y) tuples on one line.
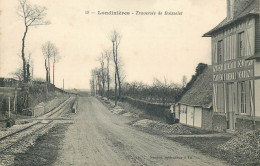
[(129, 83)]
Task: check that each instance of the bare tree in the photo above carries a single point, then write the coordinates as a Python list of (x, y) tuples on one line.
[(96, 80), (93, 80), (108, 56), (102, 73), (18, 74), (31, 62), (48, 50), (56, 58), (28, 67), (115, 38), (32, 16)]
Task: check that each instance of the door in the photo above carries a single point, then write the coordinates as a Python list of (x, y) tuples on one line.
[(230, 103)]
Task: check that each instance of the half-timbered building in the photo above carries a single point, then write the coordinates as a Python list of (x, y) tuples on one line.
[(236, 67)]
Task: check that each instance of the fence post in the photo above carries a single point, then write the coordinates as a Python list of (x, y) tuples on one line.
[(15, 100)]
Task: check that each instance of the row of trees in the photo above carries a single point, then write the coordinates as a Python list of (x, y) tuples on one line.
[(101, 76), (159, 92), (32, 16), (163, 92), (50, 53)]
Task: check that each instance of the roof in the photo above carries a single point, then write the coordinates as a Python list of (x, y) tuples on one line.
[(200, 94), (244, 8)]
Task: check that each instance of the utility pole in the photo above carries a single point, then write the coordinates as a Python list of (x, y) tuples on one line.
[(63, 83)]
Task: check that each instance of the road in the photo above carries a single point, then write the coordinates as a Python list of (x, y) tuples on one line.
[(99, 137)]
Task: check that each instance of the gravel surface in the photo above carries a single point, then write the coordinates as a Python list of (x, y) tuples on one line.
[(158, 127), (244, 149), (100, 137), (15, 128)]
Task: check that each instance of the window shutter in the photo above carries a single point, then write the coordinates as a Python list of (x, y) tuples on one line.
[(235, 47), (250, 38), (251, 96), (215, 53), (232, 46), (239, 97), (234, 92), (248, 109), (215, 97), (225, 50)]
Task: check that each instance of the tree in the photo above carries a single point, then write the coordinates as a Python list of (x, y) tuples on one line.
[(102, 73), (200, 68), (31, 62), (48, 50), (93, 74), (96, 81), (32, 16), (184, 81), (56, 58), (18, 74), (115, 39), (28, 67), (108, 56)]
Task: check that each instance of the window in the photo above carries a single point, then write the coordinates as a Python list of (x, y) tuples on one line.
[(220, 51), (241, 44), (242, 97)]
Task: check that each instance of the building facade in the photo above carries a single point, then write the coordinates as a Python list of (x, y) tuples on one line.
[(236, 67)]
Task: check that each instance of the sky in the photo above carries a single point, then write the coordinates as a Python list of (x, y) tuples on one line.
[(158, 46)]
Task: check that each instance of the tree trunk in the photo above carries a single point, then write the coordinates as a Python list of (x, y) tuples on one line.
[(49, 71), (119, 83), (28, 72), (53, 73), (23, 55), (115, 61), (115, 89), (46, 68), (103, 88), (108, 93), (117, 72)]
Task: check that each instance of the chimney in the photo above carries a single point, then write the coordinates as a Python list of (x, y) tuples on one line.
[(230, 9)]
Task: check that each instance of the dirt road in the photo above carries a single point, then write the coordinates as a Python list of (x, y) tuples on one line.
[(99, 137)]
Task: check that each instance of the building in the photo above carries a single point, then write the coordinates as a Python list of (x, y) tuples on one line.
[(195, 107), (236, 67)]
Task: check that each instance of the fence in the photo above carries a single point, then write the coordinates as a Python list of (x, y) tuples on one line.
[(8, 101)]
